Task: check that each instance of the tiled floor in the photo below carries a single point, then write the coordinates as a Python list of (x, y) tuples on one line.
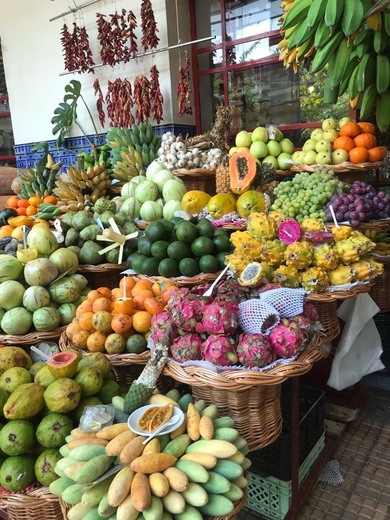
[(363, 454)]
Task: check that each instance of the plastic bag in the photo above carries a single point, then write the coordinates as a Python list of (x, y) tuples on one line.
[(360, 347)]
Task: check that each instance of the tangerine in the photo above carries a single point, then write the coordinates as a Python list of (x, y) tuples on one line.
[(350, 129), (50, 199), (105, 291), (34, 201), (84, 306), (368, 128), (94, 295), (140, 297), (142, 321), (343, 142), (96, 341), (153, 305), (116, 293), (365, 139), (71, 329), (124, 305), (357, 155), (142, 285), (12, 202), (31, 210), (102, 304), (121, 323), (23, 203), (85, 321), (115, 343), (378, 153), (128, 281)]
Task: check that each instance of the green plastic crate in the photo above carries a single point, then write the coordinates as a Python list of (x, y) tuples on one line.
[(270, 496)]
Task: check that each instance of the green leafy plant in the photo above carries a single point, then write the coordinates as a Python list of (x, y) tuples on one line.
[(65, 115)]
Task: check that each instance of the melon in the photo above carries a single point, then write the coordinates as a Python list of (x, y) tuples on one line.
[(63, 364)]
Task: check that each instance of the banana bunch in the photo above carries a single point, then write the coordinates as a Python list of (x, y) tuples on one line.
[(132, 150), (39, 181), (99, 154), (382, 242), (84, 186), (47, 211), (332, 33)]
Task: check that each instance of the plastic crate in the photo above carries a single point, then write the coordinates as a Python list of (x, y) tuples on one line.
[(275, 459), (382, 322), (272, 497)]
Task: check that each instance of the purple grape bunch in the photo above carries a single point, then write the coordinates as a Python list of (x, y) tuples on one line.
[(361, 203)]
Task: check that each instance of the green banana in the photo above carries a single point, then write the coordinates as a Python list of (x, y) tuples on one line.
[(322, 56), (380, 236), (352, 16), (382, 73), (333, 13), (304, 48), (366, 72), (322, 35), (381, 41), (363, 48), (368, 102), (300, 35), (386, 22), (297, 13), (315, 14), (383, 111), (331, 94), (364, 34), (342, 57), (347, 74), (352, 88)]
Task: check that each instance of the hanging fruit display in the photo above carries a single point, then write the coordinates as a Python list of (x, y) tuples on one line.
[(356, 51)]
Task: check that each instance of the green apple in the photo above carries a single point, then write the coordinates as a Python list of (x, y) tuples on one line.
[(297, 157), (317, 134), (284, 161), (323, 145), (243, 149), (258, 149), (344, 120), (331, 135), (274, 148), (270, 159), (243, 138), (322, 158), (330, 122), (232, 150), (310, 144), (309, 157), (287, 146), (339, 156), (259, 134)]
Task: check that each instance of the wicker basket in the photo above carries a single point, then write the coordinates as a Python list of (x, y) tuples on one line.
[(345, 167), (380, 291), (184, 281), (36, 504), (327, 314), (198, 179), (250, 397), (32, 338), (102, 275), (374, 225), (339, 295)]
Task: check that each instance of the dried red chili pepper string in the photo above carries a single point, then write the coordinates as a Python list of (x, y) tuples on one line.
[(68, 50), (132, 22), (149, 38), (104, 37), (183, 90), (99, 101), (156, 98), (119, 103), (85, 59), (142, 98)]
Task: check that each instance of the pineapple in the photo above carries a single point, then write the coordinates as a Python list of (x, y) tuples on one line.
[(222, 176)]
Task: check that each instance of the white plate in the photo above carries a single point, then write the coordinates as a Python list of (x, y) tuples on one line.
[(137, 414)]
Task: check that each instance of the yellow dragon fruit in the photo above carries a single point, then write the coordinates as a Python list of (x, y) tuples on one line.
[(325, 257), (341, 232), (377, 266), (341, 275), (315, 279), (247, 245), (287, 276), (312, 224), (272, 252), (238, 261), (261, 227), (363, 271), (347, 251), (277, 216), (299, 254), (255, 274), (362, 241)]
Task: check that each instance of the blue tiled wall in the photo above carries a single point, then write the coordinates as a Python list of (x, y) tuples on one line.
[(25, 158)]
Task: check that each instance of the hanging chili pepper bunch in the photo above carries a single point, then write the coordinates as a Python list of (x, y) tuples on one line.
[(156, 98), (142, 98), (183, 90), (119, 102), (149, 38), (99, 102), (132, 24), (76, 49)]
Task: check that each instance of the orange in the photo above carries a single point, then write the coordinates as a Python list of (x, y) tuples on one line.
[(105, 291), (350, 129), (358, 155), (31, 210), (116, 293), (6, 231), (153, 305), (34, 201), (378, 153), (23, 203), (94, 295), (79, 339), (102, 304), (368, 128), (71, 329), (142, 321), (129, 281), (167, 292), (156, 288), (124, 306), (21, 211), (121, 323), (343, 142), (85, 321), (84, 306), (50, 199), (140, 297), (12, 202), (365, 139), (95, 341), (142, 285)]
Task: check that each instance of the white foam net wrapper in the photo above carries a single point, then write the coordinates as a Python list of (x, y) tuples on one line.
[(287, 302), (256, 317), (330, 473)]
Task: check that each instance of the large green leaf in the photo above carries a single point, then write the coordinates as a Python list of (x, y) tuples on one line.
[(66, 112)]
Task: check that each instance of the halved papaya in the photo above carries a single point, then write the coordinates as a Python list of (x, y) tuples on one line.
[(242, 171)]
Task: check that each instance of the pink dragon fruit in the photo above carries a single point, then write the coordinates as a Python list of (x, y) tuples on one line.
[(219, 318), (287, 339), (185, 310), (220, 350), (310, 311), (254, 350), (187, 348), (162, 330)]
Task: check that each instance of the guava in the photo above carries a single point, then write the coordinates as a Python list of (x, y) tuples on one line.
[(63, 395), (53, 429), (44, 377), (17, 437), (14, 377), (44, 466), (17, 472), (63, 364), (90, 380), (98, 360)]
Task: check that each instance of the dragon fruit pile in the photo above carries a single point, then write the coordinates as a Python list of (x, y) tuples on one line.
[(199, 328)]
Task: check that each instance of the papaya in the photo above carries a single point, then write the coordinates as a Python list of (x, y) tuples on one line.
[(221, 204), (250, 201), (242, 171), (194, 201)]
